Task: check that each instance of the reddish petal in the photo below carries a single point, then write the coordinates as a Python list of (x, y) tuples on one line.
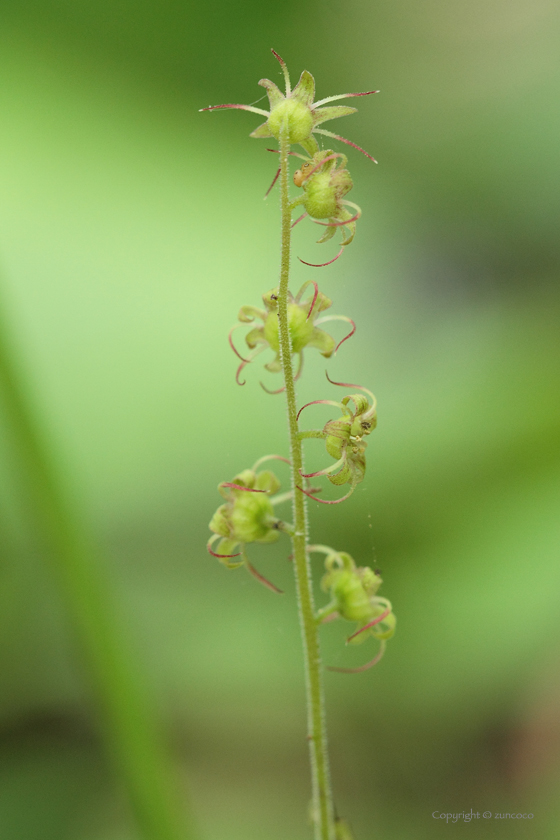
[(232, 345), (343, 140), (298, 220), (326, 501), (365, 667), (371, 624), (322, 265), (213, 553), (263, 580)]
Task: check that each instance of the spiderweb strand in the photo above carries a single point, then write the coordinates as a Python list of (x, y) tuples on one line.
[(241, 487)]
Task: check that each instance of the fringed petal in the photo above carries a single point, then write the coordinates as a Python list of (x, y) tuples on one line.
[(343, 140), (262, 579), (284, 71), (322, 265), (343, 96), (365, 667)]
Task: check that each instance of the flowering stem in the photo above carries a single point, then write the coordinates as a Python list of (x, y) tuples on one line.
[(317, 735)]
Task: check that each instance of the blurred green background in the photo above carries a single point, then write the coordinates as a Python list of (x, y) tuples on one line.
[(132, 229)]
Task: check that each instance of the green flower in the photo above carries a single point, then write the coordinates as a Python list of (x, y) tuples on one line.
[(297, 110), (353, 590), (325, 182), (247, 516), (344, 440), (303, 324)]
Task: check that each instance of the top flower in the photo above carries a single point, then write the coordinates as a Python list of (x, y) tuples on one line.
[(297, 110)]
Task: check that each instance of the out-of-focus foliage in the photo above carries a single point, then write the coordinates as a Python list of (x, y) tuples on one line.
[(132, 229)]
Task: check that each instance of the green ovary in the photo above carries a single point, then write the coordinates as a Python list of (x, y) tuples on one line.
[(251, 517), (320, 196), (300, 329), (300, 120), (353, 601)]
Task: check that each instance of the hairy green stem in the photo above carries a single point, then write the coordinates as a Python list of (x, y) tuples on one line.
[(317, 734), (126, 712)]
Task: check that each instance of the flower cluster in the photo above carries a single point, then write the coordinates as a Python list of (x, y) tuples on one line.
[(325, 183)]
